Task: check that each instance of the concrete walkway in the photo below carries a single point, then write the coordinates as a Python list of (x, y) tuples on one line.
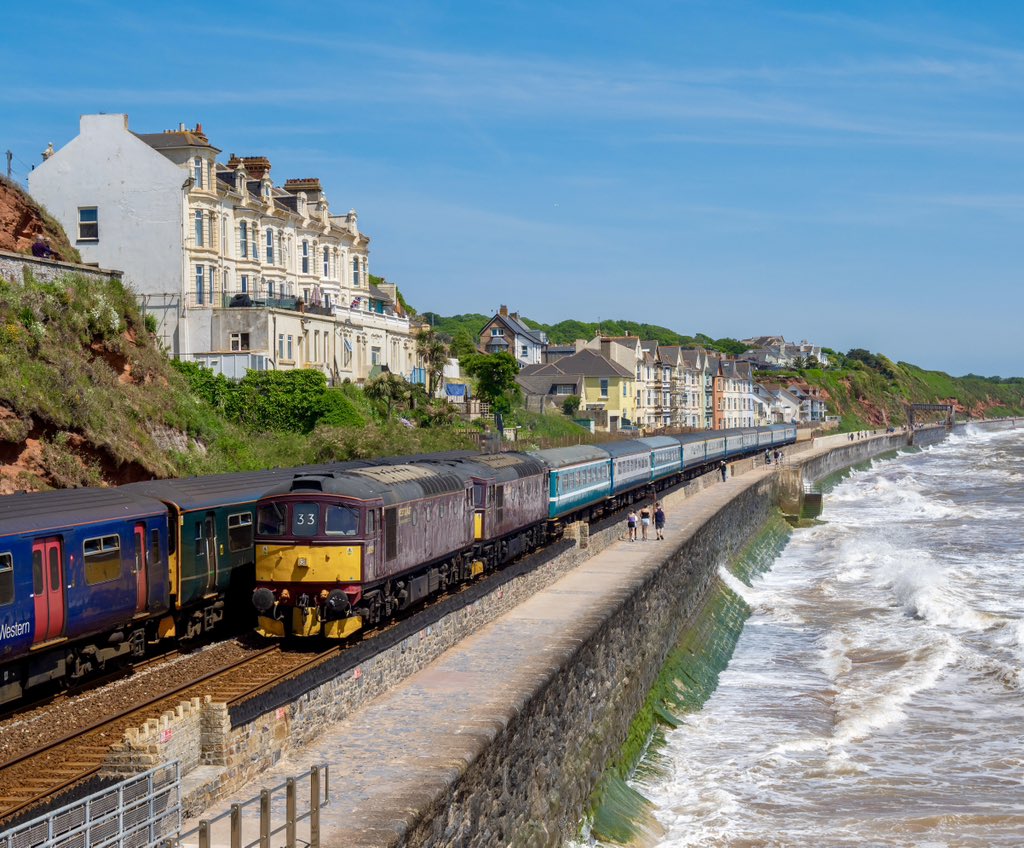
[(404, 750)]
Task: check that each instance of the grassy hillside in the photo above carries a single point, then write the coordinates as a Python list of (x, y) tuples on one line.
[(87, 397), (876, 392)]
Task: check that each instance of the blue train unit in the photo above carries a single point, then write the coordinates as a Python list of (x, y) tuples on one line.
[(82, 573)]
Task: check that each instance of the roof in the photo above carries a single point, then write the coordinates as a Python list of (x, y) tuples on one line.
[(391, 483), (626, 447), (660, 441), (544, 384), (574, 455), (585, 363), (517, 327), (176, 139), (38, 512), (213, 490)]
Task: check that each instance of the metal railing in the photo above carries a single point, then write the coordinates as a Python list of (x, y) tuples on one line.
[(259, 813), (139, 812)]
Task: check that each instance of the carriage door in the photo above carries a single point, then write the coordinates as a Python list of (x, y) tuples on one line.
[(140, 569), (374, 550), (210, 541), (48, 588)]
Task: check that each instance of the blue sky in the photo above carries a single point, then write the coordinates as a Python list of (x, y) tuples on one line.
[(846, 173)]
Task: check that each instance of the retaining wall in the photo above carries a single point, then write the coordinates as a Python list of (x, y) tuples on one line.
[(14, 266)]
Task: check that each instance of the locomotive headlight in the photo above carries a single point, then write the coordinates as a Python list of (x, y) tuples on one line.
[(301, 562)]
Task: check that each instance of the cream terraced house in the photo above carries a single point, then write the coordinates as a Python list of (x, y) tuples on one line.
[(239, 272)]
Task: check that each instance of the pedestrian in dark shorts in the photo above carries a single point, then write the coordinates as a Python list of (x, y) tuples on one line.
[(659, 520), (631, 525)]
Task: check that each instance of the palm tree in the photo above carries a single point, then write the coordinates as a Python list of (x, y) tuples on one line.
[(387, 388), (434, 354)]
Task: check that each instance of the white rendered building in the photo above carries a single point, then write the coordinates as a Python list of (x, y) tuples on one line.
[(238, 272)]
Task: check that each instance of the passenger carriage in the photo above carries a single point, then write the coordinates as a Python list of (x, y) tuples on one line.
[(81, 577), (631, 465), (694, 447), (666, 456), (578, 478)]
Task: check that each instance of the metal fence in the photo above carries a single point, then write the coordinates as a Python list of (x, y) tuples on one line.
[(140, 812), (255, 818)]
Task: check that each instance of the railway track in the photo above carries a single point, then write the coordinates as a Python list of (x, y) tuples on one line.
[(40, 773)]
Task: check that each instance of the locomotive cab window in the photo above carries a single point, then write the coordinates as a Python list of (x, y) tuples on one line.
[(305, 519), (479, 493), (240, 531), (271, 519), (343, 521), (6, 579), (102, 558)]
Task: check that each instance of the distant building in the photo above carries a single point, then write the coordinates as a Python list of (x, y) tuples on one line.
[(507, 333), (769, 352), (605, 388), (239, 272)]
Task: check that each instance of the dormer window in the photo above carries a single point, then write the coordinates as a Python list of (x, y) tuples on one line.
[(198, 171)]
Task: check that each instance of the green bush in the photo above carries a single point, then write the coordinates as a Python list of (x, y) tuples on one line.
[(279, 400), (339, 411)]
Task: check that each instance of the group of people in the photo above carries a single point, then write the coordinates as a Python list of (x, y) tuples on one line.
[(770, 455), (643, 520), (41, 248)]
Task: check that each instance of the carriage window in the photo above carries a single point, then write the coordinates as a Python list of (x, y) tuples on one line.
[(240, 531), (271, 519), (6, 579), (154, 548), (343, 521), (37, 572), (54, 568), (305, 519), (102, 559)]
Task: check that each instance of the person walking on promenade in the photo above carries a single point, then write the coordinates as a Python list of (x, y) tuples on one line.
[(778, 457), (631, 525), (645, 522), (659, 520), (724, 469), (767, 457)]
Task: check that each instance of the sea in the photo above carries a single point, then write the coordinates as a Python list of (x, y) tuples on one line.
[(875, 695)]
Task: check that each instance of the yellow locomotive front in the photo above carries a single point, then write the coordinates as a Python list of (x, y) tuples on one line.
[(311, 550)]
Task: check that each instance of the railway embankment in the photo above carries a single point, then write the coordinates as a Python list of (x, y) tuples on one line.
[(495, 724)]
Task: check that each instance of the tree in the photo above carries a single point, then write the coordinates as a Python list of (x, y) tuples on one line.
[(462, 347), (571, 405), (387, 389), (434, 353), (495, 374)]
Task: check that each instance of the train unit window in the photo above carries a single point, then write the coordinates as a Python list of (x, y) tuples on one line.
[(6, 579), (240, 531), (102, 558), (154, 548), (37, 572), (305, 519), (342, 520), (271, 519)]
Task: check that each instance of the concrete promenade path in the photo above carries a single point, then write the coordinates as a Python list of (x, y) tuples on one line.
[(402, 751)]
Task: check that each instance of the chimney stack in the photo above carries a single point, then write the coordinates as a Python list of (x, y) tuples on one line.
[(503, 311)]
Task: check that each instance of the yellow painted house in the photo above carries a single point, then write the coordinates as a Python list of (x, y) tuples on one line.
[(605, 388)]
